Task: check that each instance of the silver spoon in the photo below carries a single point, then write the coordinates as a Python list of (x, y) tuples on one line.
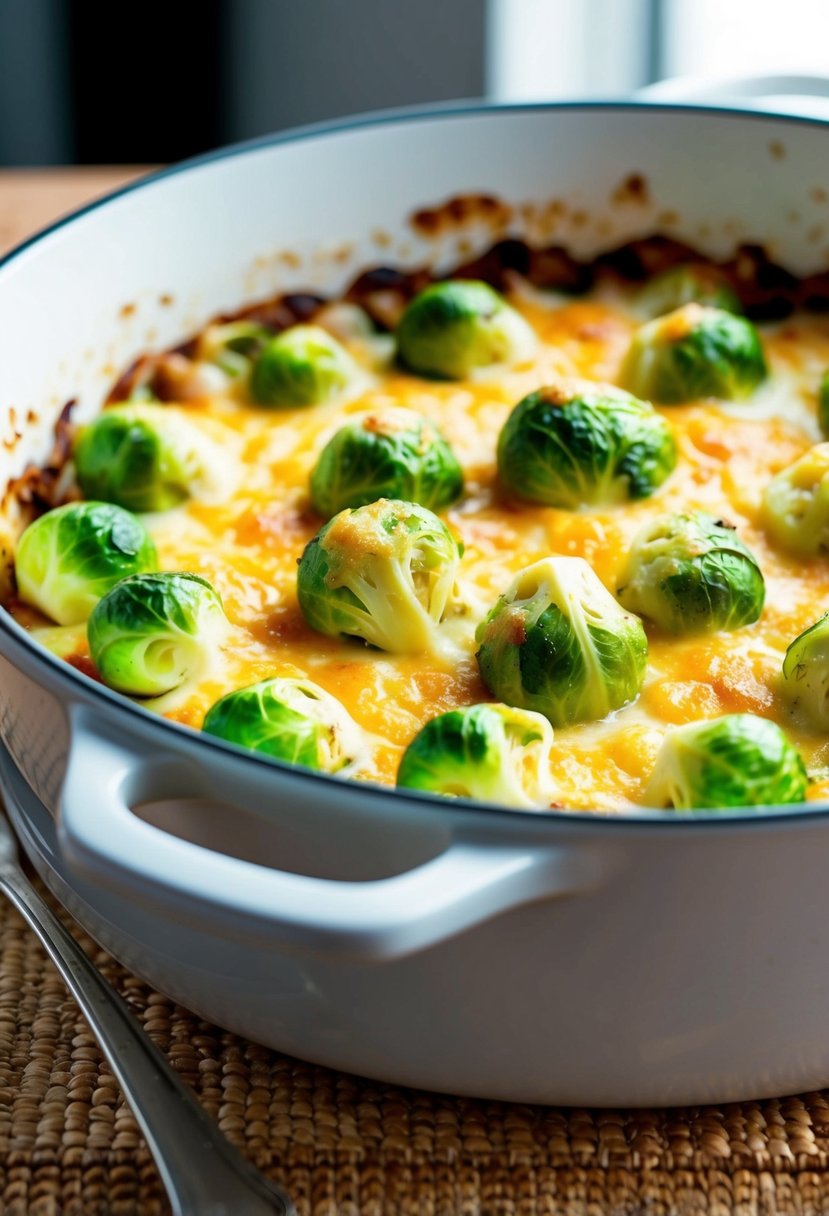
[(202, 1172)]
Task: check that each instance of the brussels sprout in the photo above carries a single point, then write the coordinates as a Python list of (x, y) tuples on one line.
[(233, 345), (392, 454), (558, 643), (692, 574), (796, 504), (823, 405), (384, 572), (451, 328), (806, 673), (738, 760), (591, 448), (145, 458), (694, 352), (301, 366), (689, 283), (152, 632), (493, 753), (70, 557), (289, 719)]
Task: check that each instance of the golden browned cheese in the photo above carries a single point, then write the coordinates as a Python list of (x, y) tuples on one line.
[(248, 547)]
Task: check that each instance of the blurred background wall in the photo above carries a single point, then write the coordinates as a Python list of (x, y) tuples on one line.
[(95, 82)]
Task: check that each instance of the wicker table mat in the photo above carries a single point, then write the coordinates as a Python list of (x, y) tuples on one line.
[(347, 1146)]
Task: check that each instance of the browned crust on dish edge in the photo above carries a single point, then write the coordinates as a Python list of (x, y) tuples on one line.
[(766, 290)]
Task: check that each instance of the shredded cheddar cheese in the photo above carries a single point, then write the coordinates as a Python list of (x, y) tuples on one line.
[(248, 542)]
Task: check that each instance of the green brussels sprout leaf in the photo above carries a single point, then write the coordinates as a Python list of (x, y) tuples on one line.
[(292, 720), (694, 352), (384, 572), (452, 328), (558, 643), (806, 674), (796, 504), (492, 753), (391, 454), (301, 366), (147, 458), (69, 558), (736, 761), (688, 283), (692, 574), (589, 448), (153, 632), (233, 346)]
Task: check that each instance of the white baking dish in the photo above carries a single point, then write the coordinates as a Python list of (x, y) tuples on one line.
[(565, 958)]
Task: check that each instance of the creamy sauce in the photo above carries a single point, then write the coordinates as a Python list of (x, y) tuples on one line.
[(248, 546)]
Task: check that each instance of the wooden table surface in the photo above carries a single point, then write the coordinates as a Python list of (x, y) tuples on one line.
[(32, 198)]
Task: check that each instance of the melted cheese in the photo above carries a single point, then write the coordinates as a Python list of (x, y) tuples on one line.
[(248, 546)]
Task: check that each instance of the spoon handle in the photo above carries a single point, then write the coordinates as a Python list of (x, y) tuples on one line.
[(202, 1172)]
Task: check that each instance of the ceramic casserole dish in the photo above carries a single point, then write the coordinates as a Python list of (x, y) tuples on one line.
[(570, 958)]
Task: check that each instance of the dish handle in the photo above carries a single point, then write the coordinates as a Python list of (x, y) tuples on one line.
[(102, 841)]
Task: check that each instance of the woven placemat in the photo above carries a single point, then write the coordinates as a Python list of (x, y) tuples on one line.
[(347, 1146)]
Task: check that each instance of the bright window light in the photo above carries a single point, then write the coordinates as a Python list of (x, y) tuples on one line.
[(544, 49), (742, 37)]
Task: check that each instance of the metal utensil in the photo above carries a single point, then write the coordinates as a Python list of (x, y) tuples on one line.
[(202, 1172)]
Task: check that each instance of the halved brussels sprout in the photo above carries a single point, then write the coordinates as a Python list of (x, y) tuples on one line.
[(694, 352), (588, 448), (384, 572), (738, 760), (493, 753), (558, 643), (152, 632), (304, 365), (233, 345), (806, 673), (688, 283), (823, 405), (146, 458), (454, 327), (289, 719), (692, 574), (796, 504), (391, 454), (70, 557)]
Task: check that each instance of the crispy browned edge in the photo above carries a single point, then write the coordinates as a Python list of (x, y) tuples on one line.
[(766, 290)]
